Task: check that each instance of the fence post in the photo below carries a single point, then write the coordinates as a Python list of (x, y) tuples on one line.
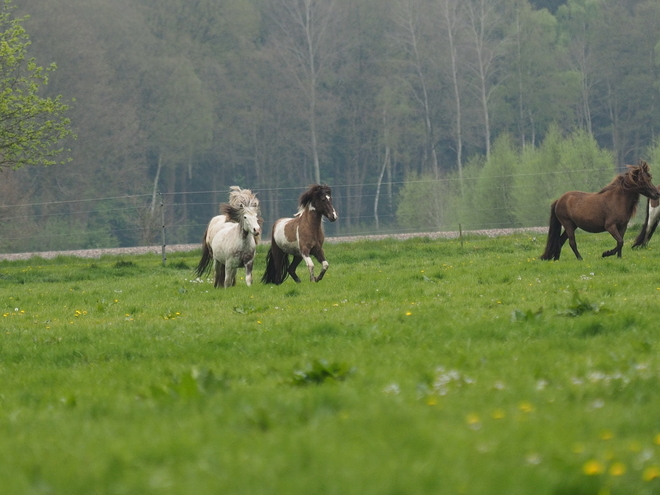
[(162, 218)]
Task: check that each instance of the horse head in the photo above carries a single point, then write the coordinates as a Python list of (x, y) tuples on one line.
[(643, 181), (319, 198), (246, 216)]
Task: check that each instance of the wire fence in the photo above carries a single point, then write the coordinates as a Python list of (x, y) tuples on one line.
[(170, 225)]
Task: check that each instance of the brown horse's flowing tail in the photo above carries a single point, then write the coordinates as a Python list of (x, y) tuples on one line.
[(553, 245), (277, 265), (204, 265)]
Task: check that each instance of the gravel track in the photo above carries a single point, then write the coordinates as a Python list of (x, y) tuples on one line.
[(97, 253)]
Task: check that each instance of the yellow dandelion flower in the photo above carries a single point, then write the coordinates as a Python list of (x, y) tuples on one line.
[(526, 407), (656, 440), (498, 414), (593, 467), (472, 419), (606, 435), (617, 469), (431, 401), (578, 448), (650, 473), (408, 313)]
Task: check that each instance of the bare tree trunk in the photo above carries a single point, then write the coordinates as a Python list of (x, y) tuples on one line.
[(382, 170), (484, 23), (521, 102), (409, 23), (155, 189), (451, 21), (305, 44)]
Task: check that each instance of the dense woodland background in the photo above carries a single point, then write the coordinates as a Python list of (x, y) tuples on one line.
[(421, 114)]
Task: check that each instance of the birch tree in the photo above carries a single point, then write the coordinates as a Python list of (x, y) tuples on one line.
[(485, 29), (408, 22), (305, 42)]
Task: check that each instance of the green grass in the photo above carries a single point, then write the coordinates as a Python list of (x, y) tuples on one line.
[(413, 367)]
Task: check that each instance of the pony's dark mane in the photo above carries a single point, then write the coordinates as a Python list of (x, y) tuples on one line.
[(315, 191), (233, 212)]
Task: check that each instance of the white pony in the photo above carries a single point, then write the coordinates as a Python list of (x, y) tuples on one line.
[(235, 244), (237, 197)]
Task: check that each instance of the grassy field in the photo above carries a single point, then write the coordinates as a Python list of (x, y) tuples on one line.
[(414, 367)]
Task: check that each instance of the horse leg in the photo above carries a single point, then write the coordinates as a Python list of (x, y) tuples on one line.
[(320, 256), (219, 274), (248, 272), (618, 236), (560, 244), (292, 268), (569, 232), (310, 265), (230, 276)]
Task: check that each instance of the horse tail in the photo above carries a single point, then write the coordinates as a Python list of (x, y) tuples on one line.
[(553, 244), (650, 224), (204, 265), (641, 240), (277, 265)]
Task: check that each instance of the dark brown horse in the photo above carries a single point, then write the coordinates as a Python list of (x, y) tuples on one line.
[(609, 210), (301, 236), (650, 223)]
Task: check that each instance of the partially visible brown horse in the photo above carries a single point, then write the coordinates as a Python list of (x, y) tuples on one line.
[(301, 236), (609, 210)]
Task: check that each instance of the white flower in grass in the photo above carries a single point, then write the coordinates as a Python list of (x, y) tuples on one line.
[(392, 388)]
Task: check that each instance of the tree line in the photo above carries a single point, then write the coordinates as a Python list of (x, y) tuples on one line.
[(388, 101)]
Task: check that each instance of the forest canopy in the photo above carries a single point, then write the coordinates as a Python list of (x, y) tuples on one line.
[(176, 100)]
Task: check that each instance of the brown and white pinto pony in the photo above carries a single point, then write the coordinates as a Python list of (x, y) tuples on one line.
[(650, 223), (609, 210), (301, 237), (237, 198)]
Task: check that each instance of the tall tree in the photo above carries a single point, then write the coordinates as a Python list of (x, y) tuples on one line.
[(576, 25), (450, 13), (306, 43), (408, 20), (485, 25), (31, 126), (537, 90)]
